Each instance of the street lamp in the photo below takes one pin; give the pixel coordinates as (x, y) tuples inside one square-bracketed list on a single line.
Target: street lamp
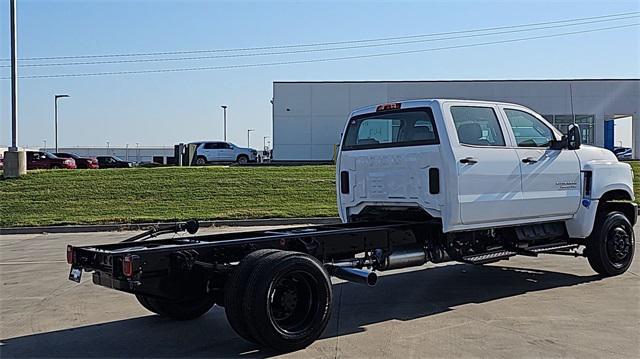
[(224, 110), (56, 97), (248, 136)]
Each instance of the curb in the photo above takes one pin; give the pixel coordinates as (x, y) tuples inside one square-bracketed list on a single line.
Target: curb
[(145, 226)]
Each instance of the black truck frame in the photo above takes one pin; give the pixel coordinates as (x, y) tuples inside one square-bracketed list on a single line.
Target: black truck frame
[(275, 285)]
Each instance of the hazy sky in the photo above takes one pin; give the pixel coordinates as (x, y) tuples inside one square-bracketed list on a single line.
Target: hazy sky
[(166, 108)]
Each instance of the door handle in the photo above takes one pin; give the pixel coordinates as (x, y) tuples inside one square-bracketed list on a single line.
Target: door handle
[(469, 160), (529, 160)]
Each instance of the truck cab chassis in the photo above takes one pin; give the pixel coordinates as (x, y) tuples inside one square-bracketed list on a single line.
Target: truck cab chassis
[(417, 182)]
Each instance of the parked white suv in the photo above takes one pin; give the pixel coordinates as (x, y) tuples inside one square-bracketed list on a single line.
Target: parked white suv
[(487, 175), (216, 151)]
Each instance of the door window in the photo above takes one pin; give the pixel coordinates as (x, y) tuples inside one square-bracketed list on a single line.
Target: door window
[(528, 130), (477, 126), (211, 146)]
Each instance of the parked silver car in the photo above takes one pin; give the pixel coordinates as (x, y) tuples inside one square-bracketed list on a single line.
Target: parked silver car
[(217, 151)]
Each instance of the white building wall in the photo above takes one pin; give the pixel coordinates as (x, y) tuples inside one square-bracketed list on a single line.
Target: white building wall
[(308, 117)]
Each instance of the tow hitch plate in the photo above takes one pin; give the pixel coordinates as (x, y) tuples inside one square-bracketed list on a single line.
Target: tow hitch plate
[(75, 274)]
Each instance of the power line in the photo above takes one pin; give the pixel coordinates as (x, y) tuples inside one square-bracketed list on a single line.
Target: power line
[(112, 73), (318, 50), (323, 43)]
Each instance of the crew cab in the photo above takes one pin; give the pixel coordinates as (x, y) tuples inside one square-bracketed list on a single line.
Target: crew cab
[(417, 181), (216, 151)]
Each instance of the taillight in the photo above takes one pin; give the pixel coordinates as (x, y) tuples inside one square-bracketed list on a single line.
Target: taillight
[(70, 254), (129, 265)]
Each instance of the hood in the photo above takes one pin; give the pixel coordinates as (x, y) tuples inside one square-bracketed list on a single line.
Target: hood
[(588, 153)]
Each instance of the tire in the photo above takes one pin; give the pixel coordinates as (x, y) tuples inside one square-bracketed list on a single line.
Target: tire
[(242, 159), (178, 310), (234, 290), (287, 303), (610, 248), (201, 161)]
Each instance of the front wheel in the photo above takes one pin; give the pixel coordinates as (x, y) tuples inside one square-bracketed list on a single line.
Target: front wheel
[(242, 159), (611, 246)]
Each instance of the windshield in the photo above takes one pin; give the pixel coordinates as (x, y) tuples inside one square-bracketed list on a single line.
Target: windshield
[(117, 158), (67, 155), (391, 129)]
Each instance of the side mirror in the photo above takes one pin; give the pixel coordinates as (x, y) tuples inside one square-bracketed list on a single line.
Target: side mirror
[(574, 139)]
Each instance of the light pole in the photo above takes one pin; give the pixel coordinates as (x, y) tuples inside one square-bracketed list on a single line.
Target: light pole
[(126, 152), (137, 152), (107, 148), (55, 110), (248, 136), (44, 143), (224, 111)]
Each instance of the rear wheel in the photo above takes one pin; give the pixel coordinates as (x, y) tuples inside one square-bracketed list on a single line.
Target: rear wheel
[(235, 288), (243, 159), (176, 309), (287, 303), (201, 161), (610, 248)]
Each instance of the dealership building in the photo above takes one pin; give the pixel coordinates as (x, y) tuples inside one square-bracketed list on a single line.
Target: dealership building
[(308, 117)]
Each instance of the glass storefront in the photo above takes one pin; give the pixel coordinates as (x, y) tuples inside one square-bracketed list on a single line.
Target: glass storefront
[(586, 123)]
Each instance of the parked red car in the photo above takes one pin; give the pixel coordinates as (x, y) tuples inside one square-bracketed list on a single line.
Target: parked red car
[(45, 160), (81, 162)]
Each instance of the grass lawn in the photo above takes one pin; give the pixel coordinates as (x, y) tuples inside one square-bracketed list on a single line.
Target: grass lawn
[(165, 194)]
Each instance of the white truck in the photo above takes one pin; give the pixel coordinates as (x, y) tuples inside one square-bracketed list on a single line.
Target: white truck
[(417, 181)]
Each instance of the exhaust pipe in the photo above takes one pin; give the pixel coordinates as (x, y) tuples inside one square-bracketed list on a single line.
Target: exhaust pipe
[(354, 275)]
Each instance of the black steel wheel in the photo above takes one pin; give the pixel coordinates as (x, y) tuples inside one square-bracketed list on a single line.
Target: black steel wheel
[(235, 288), (610, 248), (177, 309), (288, 301)]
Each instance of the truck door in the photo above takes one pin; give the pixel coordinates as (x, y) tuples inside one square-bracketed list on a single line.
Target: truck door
[(550, 178), (489, 182)]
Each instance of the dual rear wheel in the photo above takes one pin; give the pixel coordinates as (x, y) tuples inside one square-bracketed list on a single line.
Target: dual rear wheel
[(279, 299)]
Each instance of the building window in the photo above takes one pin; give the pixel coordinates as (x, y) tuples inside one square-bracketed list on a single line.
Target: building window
[(586, 123)]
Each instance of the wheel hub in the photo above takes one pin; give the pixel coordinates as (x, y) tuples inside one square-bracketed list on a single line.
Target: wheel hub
[(619, 245)]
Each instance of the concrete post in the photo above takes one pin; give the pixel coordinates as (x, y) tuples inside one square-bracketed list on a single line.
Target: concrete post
[(15, 164)]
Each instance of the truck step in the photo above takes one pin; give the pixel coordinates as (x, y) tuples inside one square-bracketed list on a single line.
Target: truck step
[(553, 247), (488, 257)]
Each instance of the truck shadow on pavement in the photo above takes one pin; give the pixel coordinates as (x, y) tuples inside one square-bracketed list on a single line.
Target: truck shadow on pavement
[(398, 296)]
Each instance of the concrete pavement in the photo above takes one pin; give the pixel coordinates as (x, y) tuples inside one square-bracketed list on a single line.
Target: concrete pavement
[(549, 306)]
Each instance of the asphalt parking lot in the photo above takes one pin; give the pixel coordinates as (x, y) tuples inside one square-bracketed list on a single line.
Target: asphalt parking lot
[(526, 307)]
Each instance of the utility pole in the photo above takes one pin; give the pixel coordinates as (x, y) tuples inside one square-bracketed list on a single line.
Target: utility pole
[(224, 111), (15, 161), (249, 136), (55, 110)]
